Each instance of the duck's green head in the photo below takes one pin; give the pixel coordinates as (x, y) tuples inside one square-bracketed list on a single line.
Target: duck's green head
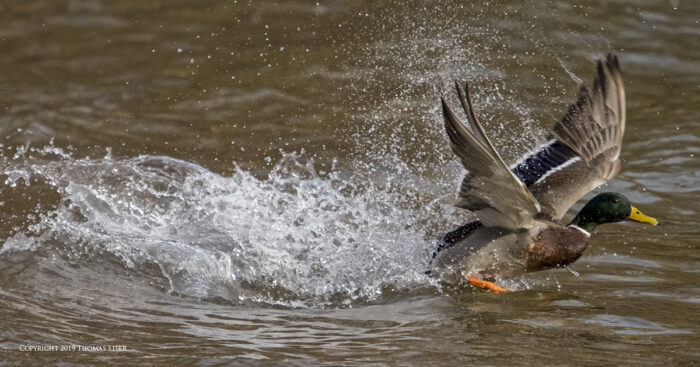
[(609, 207)]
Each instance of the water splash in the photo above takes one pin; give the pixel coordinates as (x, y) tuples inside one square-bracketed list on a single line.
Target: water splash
[(293, 238)]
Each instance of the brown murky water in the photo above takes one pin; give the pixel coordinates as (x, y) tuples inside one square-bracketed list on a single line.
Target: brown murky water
[(261, 183)]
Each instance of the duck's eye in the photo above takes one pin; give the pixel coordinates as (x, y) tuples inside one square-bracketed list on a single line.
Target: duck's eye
[(615, 201)]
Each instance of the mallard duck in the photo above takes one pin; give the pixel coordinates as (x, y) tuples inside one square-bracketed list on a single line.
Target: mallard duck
[(520, 207)]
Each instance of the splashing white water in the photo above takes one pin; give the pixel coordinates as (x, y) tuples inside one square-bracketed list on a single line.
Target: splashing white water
[(294, 238)]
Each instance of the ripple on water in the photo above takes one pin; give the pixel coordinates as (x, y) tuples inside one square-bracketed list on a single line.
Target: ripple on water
[(628, 325)]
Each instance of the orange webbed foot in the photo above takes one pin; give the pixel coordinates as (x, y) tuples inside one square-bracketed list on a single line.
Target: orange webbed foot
[(484, 284)]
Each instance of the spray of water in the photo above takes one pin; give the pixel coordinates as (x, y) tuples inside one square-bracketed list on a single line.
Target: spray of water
[(293, 239)]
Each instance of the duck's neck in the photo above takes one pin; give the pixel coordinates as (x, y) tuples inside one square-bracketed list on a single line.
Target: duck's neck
[(584, 222)]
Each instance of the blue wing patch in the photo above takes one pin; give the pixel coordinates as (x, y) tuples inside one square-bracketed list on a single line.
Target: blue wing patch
[(537, 164)]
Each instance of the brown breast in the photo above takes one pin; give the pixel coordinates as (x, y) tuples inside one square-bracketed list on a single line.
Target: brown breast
[(556, 246)]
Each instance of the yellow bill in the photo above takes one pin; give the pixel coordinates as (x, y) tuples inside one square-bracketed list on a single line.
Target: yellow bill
[(638, 216)]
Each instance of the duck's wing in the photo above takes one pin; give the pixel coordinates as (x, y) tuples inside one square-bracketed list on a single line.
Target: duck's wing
[(583, 148), (489, 188)]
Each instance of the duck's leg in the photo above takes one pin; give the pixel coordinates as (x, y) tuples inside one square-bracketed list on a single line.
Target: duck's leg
[(477, 282)]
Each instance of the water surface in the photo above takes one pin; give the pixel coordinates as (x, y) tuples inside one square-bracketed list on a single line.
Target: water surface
[(261, 183)]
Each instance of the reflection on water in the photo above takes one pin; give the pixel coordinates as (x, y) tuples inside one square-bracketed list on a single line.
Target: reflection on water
[(262, 183)]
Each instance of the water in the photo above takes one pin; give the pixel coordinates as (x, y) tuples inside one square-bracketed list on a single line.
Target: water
[(254, 183)]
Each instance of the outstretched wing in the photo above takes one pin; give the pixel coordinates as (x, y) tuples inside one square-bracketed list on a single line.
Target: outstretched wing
[(583, 148), (489, 188)]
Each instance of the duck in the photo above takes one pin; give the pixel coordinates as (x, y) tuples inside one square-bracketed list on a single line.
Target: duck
[(520, 207)]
